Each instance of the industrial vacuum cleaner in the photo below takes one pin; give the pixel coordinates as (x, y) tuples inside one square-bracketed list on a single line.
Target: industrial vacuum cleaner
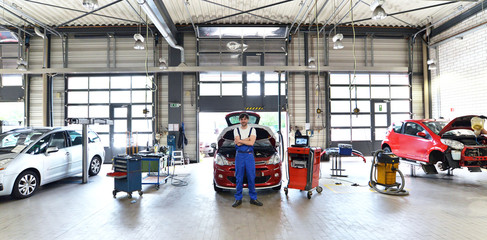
[(383, 172)]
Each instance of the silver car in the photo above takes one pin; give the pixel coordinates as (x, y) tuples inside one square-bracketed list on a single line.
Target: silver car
[(32, 157)]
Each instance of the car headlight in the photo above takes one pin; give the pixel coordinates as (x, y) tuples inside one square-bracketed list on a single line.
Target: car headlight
[(4, 163), (453, 144), (274, 159), (222, 161)]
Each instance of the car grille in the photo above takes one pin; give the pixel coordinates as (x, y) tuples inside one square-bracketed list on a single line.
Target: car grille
[(475, 152), (258, 180)]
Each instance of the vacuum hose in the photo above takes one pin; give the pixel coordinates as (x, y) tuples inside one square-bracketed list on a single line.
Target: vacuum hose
[(397, 190)]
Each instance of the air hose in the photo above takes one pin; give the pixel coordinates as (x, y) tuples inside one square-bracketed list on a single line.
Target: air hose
[(396, 189)]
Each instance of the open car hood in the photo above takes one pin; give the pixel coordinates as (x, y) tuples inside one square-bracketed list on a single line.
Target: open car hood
[(462, 122), (263, 133), (232, 118)]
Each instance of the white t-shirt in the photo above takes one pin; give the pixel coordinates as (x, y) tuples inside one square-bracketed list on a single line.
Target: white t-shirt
[(244, 133)]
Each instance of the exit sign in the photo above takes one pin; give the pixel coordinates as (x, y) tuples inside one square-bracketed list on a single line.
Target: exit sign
[(174, 105)]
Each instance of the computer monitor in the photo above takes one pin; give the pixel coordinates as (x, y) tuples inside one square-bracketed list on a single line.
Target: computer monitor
[(301, 141)]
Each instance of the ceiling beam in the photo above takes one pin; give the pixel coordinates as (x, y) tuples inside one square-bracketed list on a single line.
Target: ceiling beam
[(88, 13), (243, 12), (197, 69), (460, 18), (255, 15)]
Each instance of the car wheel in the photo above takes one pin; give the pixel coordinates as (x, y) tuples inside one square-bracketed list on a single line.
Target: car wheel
[(25, 185), (95, 166), (217, 189), (387, 149), (277, 188)]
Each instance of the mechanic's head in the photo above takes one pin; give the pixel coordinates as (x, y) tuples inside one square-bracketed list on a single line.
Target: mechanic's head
[(244, 119)]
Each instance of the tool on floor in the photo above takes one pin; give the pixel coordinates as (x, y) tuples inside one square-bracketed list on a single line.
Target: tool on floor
[(383, 172)]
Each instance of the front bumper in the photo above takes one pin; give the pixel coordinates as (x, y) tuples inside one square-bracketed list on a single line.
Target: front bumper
[(474, 157), (266, 176)]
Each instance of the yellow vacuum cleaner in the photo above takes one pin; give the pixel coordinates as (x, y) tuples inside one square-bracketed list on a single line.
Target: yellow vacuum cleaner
[(383, 172)]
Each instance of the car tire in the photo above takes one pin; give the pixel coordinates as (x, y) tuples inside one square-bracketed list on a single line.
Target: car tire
[(387, 149), (95, 166), (217, 189), (277, 188), (25, 185)]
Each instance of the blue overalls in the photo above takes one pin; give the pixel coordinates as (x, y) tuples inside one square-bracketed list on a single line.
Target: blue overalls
[(245, 163)]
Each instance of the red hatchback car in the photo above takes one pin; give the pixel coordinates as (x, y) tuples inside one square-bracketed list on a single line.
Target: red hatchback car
[(267, 160), (449, 145)]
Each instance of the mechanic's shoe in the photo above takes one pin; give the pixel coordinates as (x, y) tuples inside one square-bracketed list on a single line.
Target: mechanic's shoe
[(237, 203), (256, 202)]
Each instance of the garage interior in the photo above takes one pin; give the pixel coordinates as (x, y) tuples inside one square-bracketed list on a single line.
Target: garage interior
[(338, 71)]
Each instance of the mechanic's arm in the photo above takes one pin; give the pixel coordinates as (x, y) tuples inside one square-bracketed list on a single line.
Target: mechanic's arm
[(248, 141), (237, 141)]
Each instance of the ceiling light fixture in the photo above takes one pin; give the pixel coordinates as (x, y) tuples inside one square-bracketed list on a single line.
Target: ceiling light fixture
[(311, 63), (90, 4), (378, 13), (237, 47), (21, 64), (431, 64), (337, 41), (139, 41), (162, 64)]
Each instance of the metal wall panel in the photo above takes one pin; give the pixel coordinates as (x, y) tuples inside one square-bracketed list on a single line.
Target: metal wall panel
[(36, 88), (189, 99)]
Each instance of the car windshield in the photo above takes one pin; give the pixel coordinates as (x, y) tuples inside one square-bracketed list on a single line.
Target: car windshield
[(435, 126), (15, 141), (236, 120)]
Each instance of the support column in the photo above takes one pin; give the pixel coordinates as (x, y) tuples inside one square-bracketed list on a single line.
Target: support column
[(175, 85)]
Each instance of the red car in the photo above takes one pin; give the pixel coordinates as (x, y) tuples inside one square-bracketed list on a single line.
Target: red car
[(267, 160), (449, 145)]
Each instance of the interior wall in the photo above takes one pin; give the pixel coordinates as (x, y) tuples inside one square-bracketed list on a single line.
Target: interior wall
[(382, 52), (458, 84)]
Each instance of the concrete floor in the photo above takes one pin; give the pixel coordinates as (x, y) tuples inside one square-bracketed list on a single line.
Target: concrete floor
[(438, 207)]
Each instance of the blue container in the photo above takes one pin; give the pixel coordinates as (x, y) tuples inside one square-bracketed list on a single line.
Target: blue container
[(345, 149)]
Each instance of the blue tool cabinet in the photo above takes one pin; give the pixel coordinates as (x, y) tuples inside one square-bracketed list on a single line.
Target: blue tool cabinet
[(132, 181)]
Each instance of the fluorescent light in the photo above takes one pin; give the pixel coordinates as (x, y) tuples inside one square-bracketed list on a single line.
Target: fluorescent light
[(90, 4)]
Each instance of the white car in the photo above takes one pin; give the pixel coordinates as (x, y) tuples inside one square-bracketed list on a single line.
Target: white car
[(32, 157)]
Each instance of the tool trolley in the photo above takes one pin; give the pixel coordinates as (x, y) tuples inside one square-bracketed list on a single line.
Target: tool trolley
[(127, 175), (304, 169)]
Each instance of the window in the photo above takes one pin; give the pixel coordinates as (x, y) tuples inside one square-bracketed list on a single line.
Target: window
[(58, 140), (75, 137), (40, 146), (396, 127), (11, 80), (412, 129)]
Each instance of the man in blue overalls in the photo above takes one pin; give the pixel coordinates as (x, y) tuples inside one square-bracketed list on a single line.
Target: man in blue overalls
[(244, 160)]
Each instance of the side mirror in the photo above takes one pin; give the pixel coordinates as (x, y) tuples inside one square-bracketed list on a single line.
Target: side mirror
[(51, 150), (421, 134), (213, 145)]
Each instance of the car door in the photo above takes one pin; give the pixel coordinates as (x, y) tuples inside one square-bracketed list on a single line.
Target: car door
[(75, 151), (414, 146), (57, 162)]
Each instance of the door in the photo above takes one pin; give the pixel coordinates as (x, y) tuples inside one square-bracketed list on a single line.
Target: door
[(413, 146), (57, 163), (380, 120), (75, 151), (121, 128)]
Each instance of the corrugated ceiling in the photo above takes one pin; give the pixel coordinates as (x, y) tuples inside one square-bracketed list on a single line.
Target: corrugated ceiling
[(124, 12)]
